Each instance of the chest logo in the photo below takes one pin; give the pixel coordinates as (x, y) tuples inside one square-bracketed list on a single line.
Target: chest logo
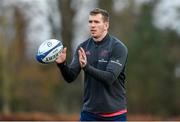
[(88, 53), (104, 53), (102, 60)]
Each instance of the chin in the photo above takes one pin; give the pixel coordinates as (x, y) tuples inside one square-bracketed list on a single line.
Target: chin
[(94, 36)]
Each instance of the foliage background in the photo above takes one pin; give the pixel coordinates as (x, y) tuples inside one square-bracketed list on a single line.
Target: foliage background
[(151, 83)]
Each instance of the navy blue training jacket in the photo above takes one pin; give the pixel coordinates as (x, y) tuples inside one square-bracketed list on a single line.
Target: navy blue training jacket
[(104, 74)]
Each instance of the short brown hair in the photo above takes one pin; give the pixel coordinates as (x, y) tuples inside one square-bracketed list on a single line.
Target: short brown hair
[(104, 13)]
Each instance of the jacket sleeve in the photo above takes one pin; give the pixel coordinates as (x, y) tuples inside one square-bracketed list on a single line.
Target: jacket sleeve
[(114, 67), (70, 72)]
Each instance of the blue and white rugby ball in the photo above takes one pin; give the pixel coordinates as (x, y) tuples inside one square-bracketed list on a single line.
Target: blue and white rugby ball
[(49, 50)]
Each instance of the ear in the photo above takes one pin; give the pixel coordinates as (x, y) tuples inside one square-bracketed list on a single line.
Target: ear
[(106, 25)]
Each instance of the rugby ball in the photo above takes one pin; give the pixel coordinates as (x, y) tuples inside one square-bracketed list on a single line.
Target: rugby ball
[(49, 50)]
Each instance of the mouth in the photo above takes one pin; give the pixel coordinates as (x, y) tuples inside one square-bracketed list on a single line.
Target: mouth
[(93, 31)]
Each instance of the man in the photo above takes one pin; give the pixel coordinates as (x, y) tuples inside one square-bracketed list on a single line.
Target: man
[(103, 58)]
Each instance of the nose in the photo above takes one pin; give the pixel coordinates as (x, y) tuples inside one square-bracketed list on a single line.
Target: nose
[(92, 25)]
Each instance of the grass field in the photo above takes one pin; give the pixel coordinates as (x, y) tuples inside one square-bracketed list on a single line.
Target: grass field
[(36, 116)]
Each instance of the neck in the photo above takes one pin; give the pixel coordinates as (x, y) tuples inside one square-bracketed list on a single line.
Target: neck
[(101, 37)]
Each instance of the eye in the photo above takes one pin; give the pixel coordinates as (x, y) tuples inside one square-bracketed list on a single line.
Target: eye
[(90, 21)]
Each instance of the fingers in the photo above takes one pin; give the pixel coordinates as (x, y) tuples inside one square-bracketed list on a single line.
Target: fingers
[(64, 50), (82, 57), (82, 50), (80, 54), (83, 53), (62, 57)]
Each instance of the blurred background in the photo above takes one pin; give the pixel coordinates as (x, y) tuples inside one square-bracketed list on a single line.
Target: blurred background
[(33, 91)]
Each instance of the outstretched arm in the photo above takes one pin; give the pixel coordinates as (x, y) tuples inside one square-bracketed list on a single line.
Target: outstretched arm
[(69, 72)]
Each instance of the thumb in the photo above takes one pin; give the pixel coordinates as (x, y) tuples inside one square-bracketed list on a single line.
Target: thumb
[(64, 50)]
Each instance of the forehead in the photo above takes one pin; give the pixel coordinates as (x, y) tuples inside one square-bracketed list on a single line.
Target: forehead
[(95, 17)]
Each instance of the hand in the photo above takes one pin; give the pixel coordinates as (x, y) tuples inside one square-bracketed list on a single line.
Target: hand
[(62, 56), (82, 57)]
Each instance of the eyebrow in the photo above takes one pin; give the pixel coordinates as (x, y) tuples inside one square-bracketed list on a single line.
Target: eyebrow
[(96, 21)]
